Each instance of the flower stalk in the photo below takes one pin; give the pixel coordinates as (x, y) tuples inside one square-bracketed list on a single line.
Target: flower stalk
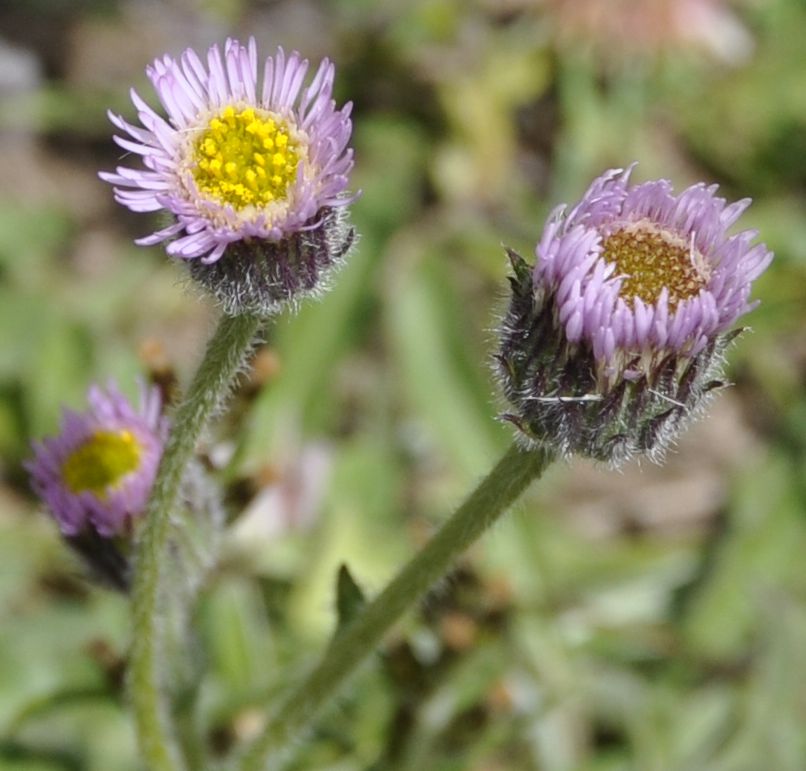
[(350, 648), (223, 359)]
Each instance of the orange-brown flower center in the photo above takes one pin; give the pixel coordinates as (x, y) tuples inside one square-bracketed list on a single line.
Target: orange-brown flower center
[(650, 259)]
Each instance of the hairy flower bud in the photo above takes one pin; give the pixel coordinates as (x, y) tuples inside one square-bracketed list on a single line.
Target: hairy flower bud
[(252, 166), (614, 339)]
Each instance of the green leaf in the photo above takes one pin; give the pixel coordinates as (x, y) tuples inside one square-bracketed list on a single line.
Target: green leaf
[(349, 597)]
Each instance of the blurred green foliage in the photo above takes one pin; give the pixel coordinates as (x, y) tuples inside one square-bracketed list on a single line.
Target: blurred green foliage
[(602, 626)]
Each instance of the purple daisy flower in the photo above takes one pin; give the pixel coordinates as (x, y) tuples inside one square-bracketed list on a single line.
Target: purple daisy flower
[(96, 475), (614, 337), (253, 166)]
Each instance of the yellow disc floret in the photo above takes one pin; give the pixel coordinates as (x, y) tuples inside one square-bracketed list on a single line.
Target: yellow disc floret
[(245, 158), (651, 259), (101, 462)]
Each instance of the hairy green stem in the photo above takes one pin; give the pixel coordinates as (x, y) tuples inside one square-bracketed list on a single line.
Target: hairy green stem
[(224, 356), (504, 484)]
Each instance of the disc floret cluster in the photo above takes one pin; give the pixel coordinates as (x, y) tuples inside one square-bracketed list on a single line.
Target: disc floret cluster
[(246, 158)]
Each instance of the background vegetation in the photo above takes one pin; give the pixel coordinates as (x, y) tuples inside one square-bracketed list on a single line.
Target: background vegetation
[(648, 620)]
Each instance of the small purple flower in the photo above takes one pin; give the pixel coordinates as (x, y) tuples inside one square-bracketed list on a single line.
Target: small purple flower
[(96, 475), (253, 166), (614, 337)]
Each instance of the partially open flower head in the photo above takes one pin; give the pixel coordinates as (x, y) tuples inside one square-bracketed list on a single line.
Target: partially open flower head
[(96, 474), (251, 164), (614, 338)]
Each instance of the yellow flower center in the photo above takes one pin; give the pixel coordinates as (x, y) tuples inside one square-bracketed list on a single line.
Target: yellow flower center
[(651, 259), (245, 158), (101, 462)]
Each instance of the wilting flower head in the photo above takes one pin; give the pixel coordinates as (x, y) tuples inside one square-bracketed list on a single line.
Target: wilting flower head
[(96, 475), (615, 336), (253, 167)]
